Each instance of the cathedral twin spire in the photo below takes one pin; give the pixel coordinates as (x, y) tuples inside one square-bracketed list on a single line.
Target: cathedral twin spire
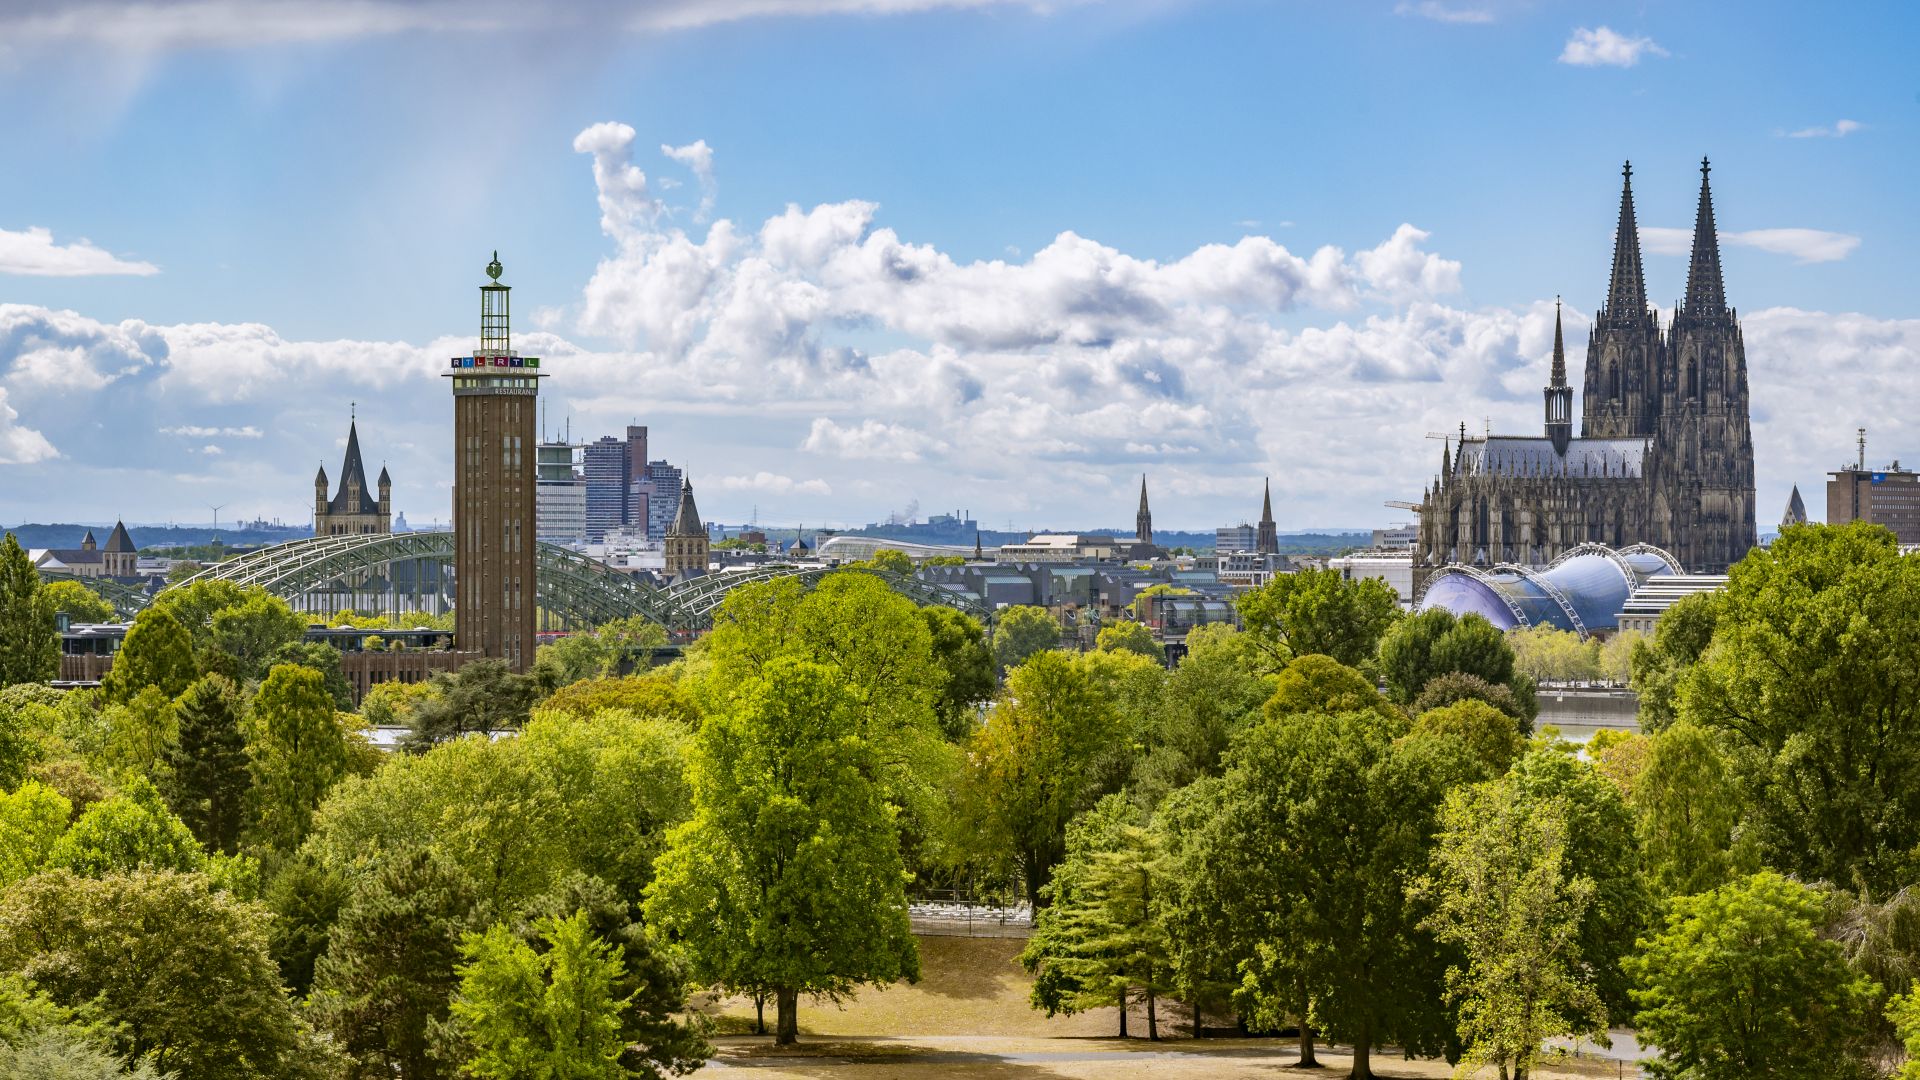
[(1706, 293)]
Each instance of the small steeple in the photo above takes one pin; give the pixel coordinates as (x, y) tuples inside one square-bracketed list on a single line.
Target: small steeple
[(977, 551), (1559, 376), (1706, 294), (320, 478), (1559, 394), (1268, 540), (1627, 291), (686, 521)]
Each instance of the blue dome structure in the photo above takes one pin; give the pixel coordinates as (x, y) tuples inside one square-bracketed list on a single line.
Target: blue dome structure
[(1583, 590)]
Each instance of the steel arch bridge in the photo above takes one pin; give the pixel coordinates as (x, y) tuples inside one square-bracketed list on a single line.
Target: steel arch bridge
[(573, 590)]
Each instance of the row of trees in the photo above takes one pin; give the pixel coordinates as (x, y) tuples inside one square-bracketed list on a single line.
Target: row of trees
[(1337, 820)]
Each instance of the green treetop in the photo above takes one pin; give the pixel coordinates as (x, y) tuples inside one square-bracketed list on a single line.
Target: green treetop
[(788, 878), (29, 642)]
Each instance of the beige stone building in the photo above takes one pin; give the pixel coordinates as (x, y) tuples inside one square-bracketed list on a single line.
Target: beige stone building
[(354, 510), (686, 546)]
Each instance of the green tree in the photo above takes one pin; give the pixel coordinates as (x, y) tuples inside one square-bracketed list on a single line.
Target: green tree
[(1600, 847), (1458, 686), (387, 975), (1688, 810), (1502, 892), (1812, 688), (1658, 664), (1321, 612), (891, 560), (297, 752), (77, 602), (553, 1014), (245, 640), (1100, 941), (391, 703), (207, 778), (32, 820), (179, 969), (1486, 732), (960, 649), (1435, 642), (306, 899), (131, 831), (140, 733), (572, 658), (1126, 636), (1616, 655), (157, 652), (1325, 931), (653, 695), (323, 658), (1032, 762), (1204, 943), (661, 1038), (29, 642), (1209, 697), (1903, 1011), (484, 696), (788, 878), (1323, 685), (1547, 654), (1739, 985), (596, 795), (1022, 631)]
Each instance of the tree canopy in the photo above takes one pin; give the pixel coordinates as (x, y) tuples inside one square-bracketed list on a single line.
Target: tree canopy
[(1318, 611)]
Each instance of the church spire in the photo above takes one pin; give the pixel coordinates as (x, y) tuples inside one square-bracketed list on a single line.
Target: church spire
[(1559, 377), (1268, 540), (1706, 294), (1627, 292), (1143, 519)]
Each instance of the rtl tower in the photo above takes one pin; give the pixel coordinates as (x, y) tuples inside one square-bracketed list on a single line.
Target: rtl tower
[(494, 483)]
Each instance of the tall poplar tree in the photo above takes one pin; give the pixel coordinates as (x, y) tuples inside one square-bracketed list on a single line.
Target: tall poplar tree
[(29, 642), (298, 751), (208, 779)]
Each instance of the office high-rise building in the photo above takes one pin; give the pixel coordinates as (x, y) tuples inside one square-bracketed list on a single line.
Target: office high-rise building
[(663, 504), (494, 484), (561, 500), (605, 461)]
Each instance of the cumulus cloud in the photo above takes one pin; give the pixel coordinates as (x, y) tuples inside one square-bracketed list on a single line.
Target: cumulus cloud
[(1840, 129), (774, 484), (32, 252), (1804, 245), (697, 156), (20, 445), (874, 439), (1602, 47), (1446, 13), (818, 362)]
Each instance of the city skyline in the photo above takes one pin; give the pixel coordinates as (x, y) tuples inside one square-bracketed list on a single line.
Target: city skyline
[(825, 331)]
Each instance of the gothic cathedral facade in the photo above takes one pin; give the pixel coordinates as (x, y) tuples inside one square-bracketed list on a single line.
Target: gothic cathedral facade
[(1665, 454)]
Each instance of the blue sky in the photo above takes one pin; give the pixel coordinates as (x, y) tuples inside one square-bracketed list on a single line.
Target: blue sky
[(285, 208)]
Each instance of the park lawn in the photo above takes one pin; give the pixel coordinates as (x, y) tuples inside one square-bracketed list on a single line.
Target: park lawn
[(968, 1019)]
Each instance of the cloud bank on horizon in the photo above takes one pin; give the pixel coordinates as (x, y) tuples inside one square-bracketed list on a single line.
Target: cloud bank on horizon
[(870, 367)]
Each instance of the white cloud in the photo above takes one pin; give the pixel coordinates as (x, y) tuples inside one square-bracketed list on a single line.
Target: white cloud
[(1602, 47), (211, 449), (1839, 130), (34, 253), (1805, 245), (697, 156), (20, 445), (197, 432), (871, 439), (142, 26), (1446, 13), (774, 484), (819, 361)]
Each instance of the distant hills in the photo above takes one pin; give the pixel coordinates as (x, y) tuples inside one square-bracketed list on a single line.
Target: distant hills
[(155, 536)]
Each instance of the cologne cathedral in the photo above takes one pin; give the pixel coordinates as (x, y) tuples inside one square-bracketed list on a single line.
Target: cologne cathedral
[(1664, 456)]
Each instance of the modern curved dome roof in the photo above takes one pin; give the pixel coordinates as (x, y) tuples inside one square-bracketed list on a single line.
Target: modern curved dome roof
[(1583, 590)]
